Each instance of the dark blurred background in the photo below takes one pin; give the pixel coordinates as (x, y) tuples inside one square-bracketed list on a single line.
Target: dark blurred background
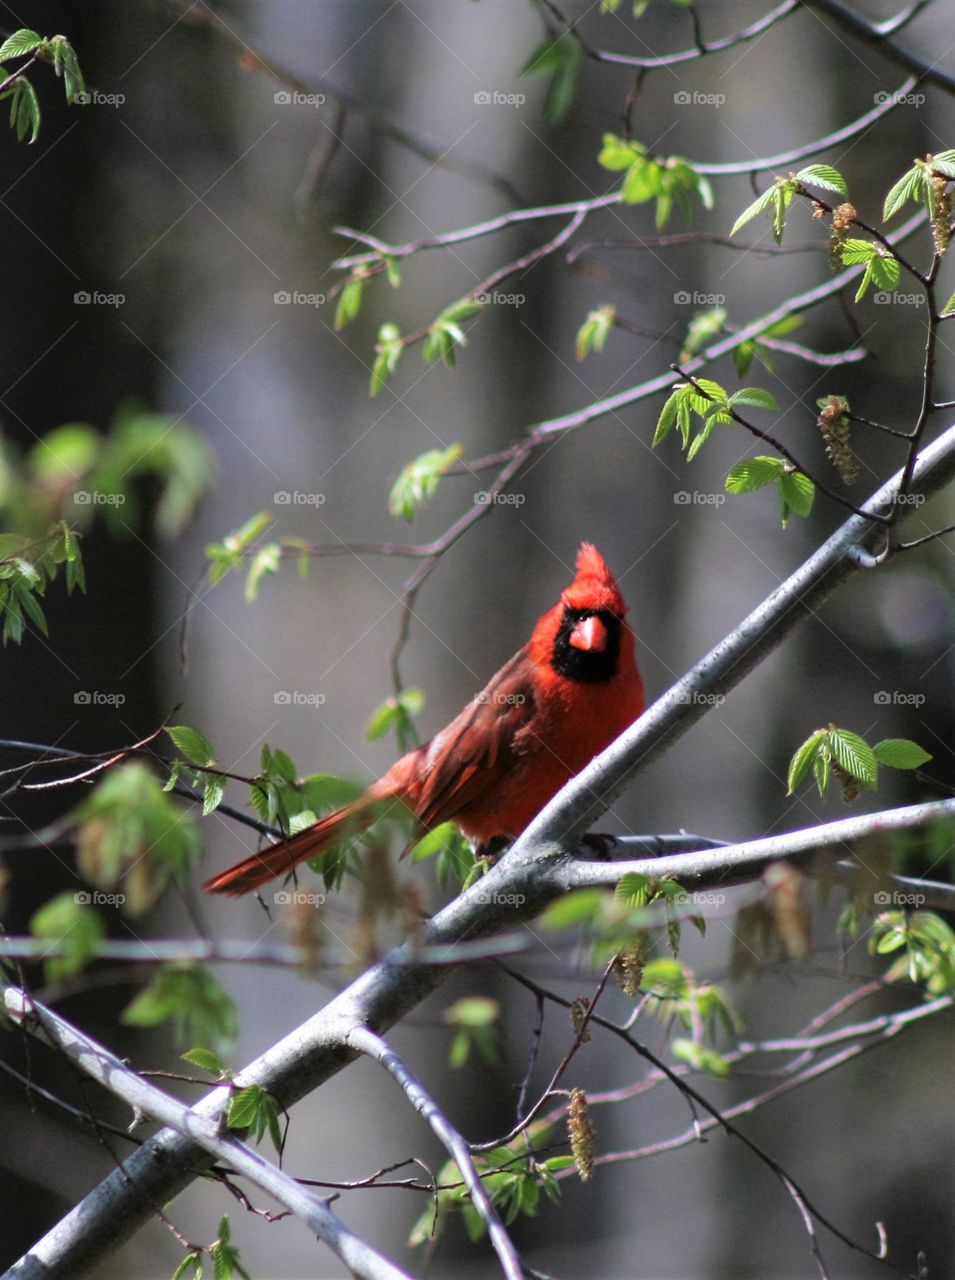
[(198, 197)]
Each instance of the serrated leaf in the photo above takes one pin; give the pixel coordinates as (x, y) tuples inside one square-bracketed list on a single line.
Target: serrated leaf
[(753, 473), (854, 755), (19, 43), (824, 176), (668, 415), (192, 745), (908, 187), (756, 398), (797, 493), (632, 889), (900, 753), (205, 1060), (213, 791), (803, 759), (759, 205)]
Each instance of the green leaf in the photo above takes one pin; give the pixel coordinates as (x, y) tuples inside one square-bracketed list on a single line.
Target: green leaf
[(797, 493), (213, 791), (349, 301), (67, 920), (19, 43), (409, 703), (419, 481), (803, 759), (633, 889), (560, 58), (191, 1262), (578, 907), (704, 326), (266, 561), (759, 205), (24, 110), (205, 1060), (668, 414), (854, 755), (473, 1011), (700, 1058), (618, 154), (756, 398), (592, 334), (388, 348), (824, 176), (753, 473), (192, 745), (191, 998), (911, 186), (900, 753)]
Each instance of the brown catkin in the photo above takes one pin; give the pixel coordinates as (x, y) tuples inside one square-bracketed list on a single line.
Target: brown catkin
[(578, 1014), (581, 1133), (842, 219), (833, 422), (628, 969), (942, 213)]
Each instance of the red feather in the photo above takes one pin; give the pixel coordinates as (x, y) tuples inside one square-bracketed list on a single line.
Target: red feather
[(509, 751)]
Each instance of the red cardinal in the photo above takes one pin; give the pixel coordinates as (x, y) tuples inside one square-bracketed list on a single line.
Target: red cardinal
[(558, 702)]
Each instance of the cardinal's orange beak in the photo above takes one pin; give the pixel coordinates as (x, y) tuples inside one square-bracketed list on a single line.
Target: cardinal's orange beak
[(590, 635)]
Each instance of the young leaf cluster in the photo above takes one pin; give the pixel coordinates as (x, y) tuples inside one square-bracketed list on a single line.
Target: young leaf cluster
[(669, 182), (777, 198), (27, 566), (133, 837), (189, 996), (24, 105), (854, 762), (194, 749)]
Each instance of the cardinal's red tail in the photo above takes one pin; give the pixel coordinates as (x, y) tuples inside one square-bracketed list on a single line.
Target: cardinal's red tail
[(278, 859)]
